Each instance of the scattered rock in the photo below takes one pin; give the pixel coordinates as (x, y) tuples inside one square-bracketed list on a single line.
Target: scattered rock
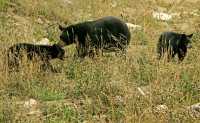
[(161, 109), (30, 108), (30, 103), (194, 110), (195, 13), (67, 1), (114, 4), (39, 21), (133, 27), (162, 16), (119, 100), (43, 41)]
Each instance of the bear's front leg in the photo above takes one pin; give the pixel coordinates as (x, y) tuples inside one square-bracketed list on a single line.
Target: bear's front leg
[(181, 55)]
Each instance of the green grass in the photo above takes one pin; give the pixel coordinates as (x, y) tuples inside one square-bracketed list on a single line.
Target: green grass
[(103, 89), (3, 4)]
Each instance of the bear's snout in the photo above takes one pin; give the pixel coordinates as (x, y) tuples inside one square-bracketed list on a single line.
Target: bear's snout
[(61, 37)]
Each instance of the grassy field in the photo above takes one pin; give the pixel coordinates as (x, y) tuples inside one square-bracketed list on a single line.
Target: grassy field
[(104, 89)]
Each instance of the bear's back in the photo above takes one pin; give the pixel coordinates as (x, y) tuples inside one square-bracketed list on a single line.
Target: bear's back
[(170, 36), (30, 49), (113, 24)]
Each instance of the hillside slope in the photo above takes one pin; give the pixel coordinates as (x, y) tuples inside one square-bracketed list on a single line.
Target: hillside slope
[(108, 88)]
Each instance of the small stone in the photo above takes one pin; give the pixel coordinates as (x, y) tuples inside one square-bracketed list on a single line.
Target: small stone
[(194, 110), (39, 20), (133, 27), (30, 103), (119, 99), (67, 1), (43, 41), (161, 109), (114, 4), (162, 16)]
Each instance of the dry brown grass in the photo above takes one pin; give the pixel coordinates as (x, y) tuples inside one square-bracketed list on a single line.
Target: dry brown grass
[(104, 89)]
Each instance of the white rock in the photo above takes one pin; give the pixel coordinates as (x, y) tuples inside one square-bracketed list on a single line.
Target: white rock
[(39, 20), (194, 110), (114, 4), (133, 27), (43, 41), (67, 1), (161, 111), (30, 103), (195, 13), (119, 99), (162, 16), (161, 108)]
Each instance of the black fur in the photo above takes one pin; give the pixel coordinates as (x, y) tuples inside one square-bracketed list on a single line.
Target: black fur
[(173, 43), (105, 33), (44, 52)]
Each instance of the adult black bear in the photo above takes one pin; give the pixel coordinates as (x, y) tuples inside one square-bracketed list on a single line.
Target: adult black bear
[(108, 33), (44, 52), (173, 43)]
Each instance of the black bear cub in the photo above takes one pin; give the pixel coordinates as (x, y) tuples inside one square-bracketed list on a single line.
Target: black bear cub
[(173, 43), (44, 52), (108, 33)]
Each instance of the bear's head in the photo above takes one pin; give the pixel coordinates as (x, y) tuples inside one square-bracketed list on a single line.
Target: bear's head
[(186, 40), (58, 52), (67, 35)]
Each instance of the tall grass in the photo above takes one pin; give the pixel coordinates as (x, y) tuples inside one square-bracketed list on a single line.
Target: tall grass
[(103, 89)]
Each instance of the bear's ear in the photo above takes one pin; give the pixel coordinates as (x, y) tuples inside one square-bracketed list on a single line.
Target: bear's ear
[(183, 36), (190, 36), (56, 46), (61, 28)]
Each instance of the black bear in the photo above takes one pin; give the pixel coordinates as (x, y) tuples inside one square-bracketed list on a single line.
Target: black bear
[(173, 43), (44, 52), (108, 33)]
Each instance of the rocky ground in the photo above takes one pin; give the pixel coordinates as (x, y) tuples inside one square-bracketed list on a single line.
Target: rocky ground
[(107, 88)]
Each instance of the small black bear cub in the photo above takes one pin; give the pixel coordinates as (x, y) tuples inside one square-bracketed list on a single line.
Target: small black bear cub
[(44, 52), (173, 43), (108, 33)]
